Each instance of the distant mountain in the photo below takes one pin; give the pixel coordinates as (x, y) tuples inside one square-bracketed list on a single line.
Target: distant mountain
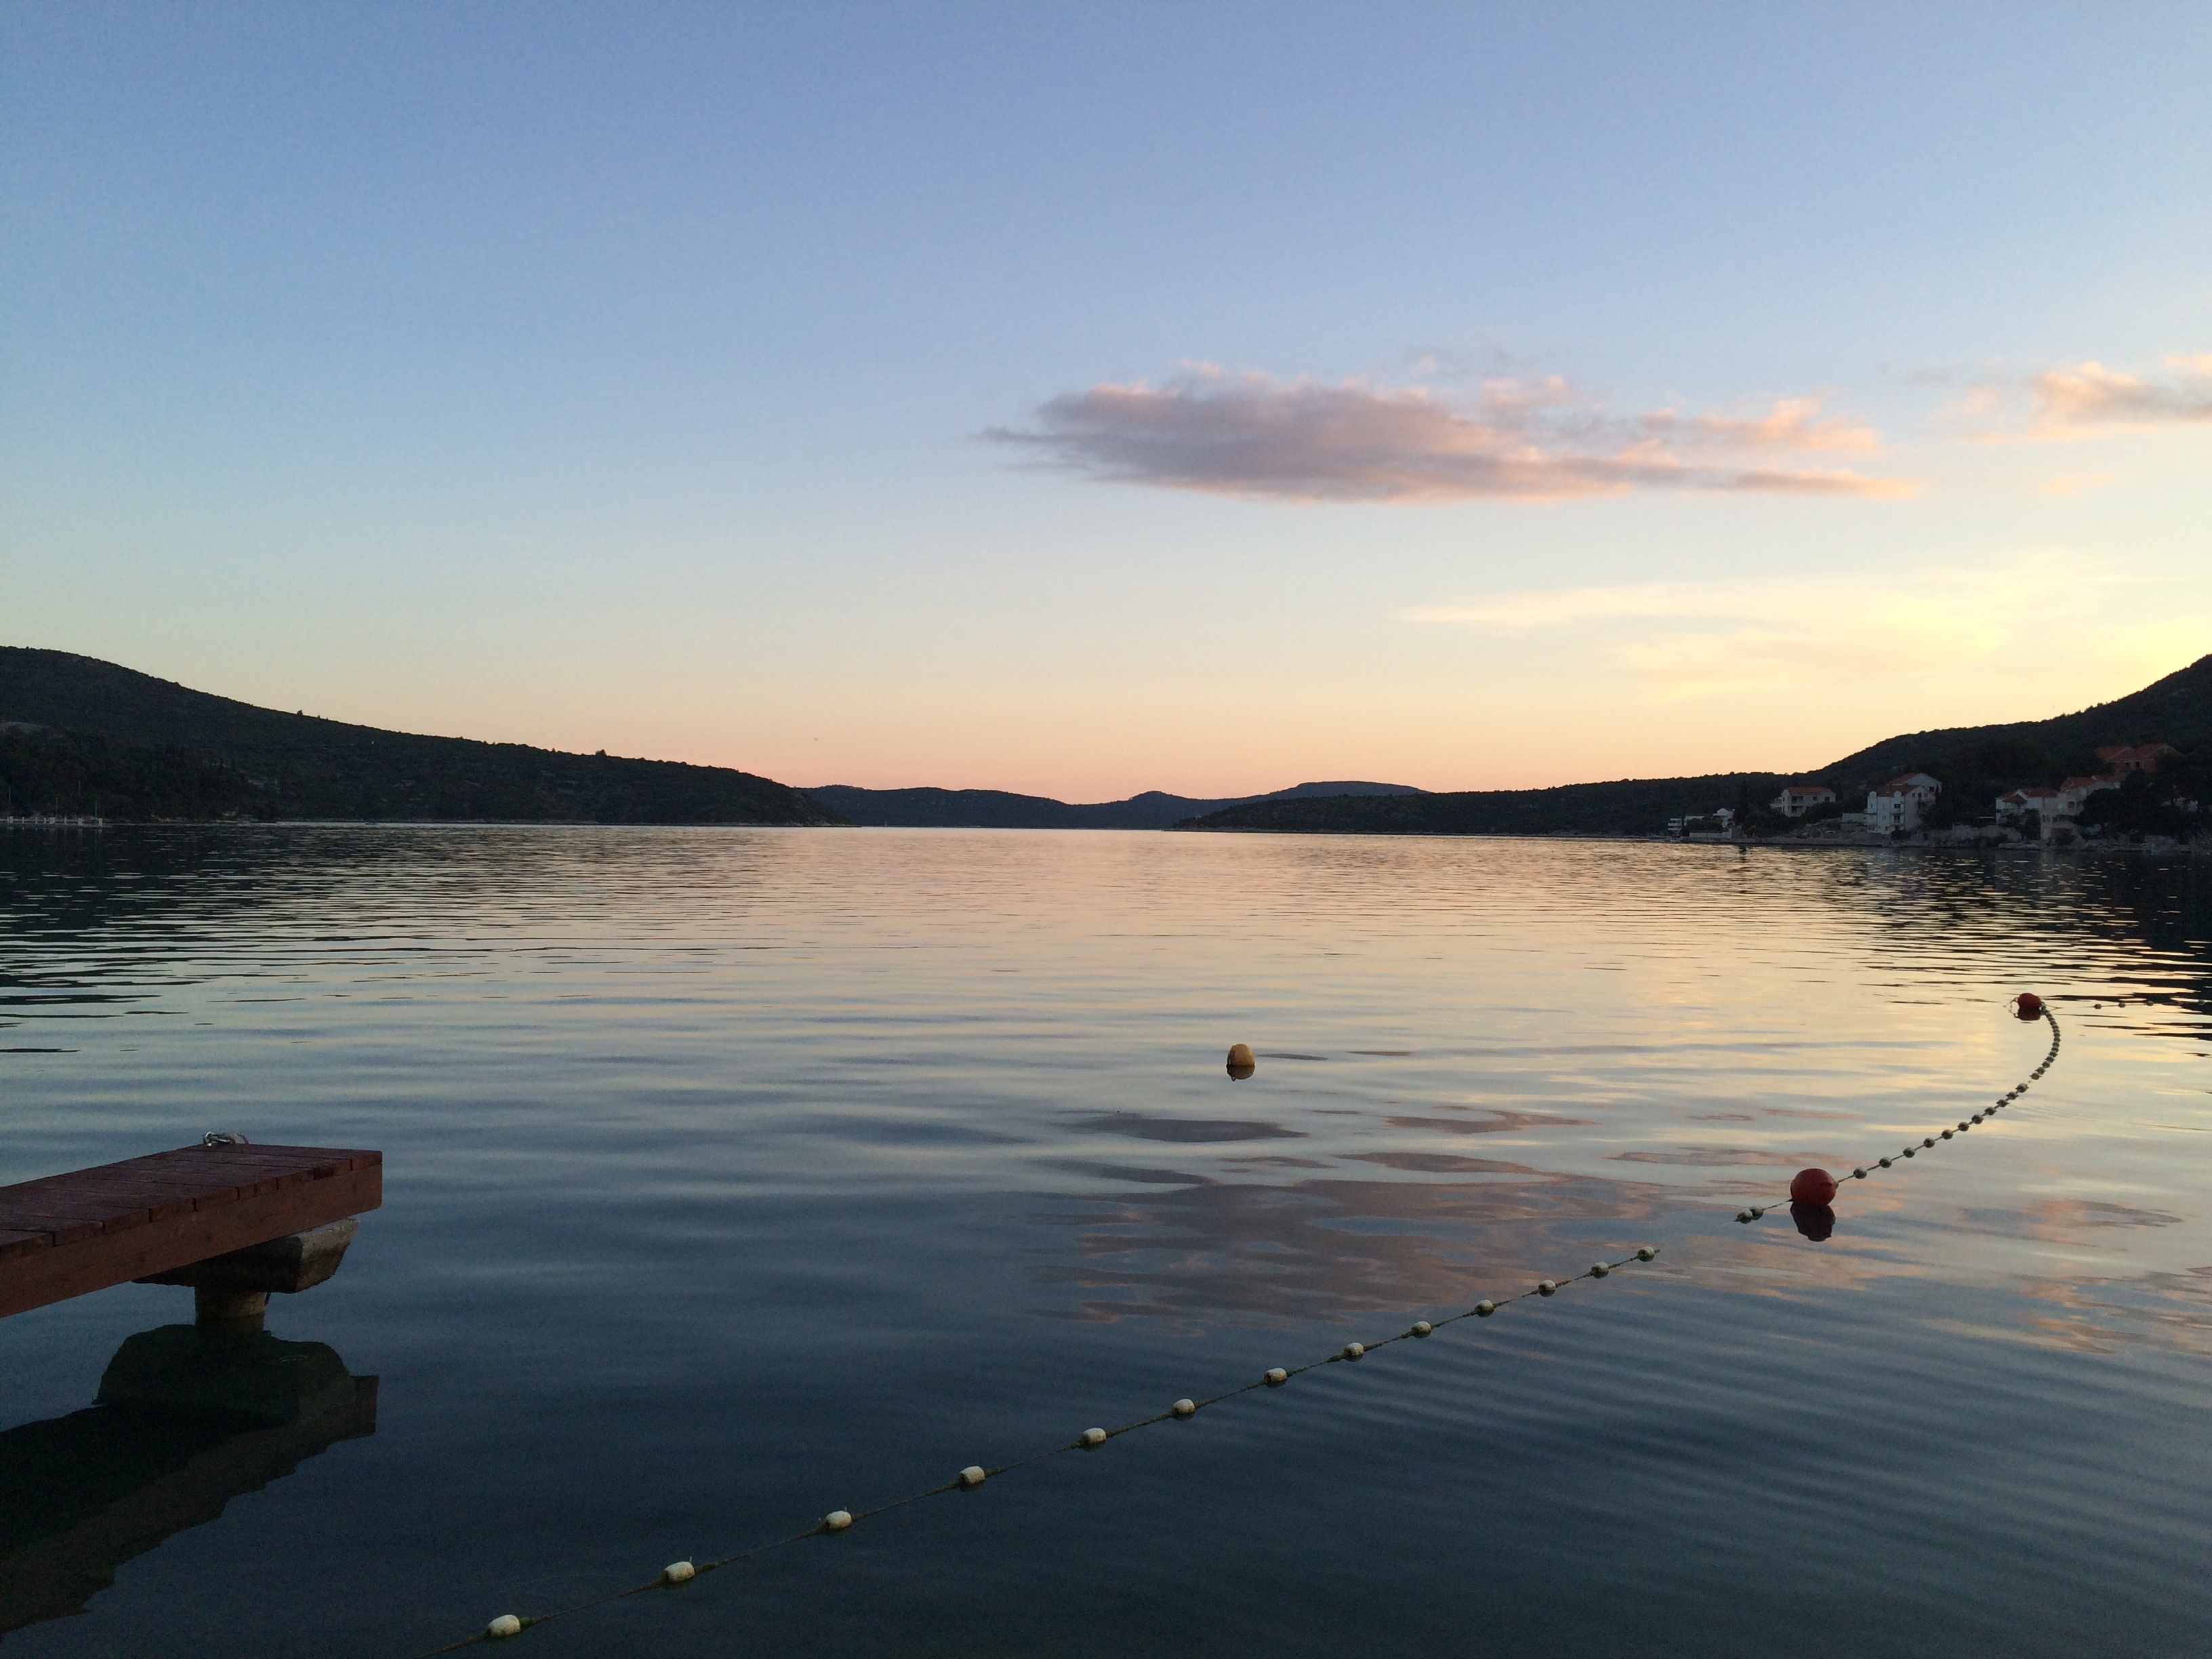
[(1628, 807), (80, 735), (1975, 763), (994, 809)]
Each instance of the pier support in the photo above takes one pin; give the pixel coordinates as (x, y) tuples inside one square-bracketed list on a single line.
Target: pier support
[(240, 1313), (231, 1292)]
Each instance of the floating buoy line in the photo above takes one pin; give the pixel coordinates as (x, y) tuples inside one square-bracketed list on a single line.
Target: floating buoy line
[(1804, 1189), (1814, 1189)]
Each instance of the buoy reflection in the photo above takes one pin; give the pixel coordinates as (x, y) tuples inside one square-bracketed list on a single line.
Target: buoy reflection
[(1815, 1221)]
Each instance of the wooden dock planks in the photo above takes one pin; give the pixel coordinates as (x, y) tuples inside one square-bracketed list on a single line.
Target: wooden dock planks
[(63, 1235)]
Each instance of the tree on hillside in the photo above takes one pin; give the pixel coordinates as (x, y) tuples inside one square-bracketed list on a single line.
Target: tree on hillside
[(1955, 806), (2167, 802)]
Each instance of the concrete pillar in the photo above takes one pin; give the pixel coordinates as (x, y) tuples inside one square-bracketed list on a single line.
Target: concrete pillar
[(232, 1313)]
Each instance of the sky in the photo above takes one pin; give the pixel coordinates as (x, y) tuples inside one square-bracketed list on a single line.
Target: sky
[(1084, 400)]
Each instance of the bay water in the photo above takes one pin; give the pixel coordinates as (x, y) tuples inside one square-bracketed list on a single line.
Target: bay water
[(733, 1176)]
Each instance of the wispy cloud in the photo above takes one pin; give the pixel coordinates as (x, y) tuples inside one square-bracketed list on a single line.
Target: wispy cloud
[(1251, 435), (2089, 394), (1686, 638), (2074, 484), (2088, 400)]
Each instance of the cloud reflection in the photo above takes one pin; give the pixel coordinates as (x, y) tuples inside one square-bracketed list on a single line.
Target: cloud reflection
[(2171, 1312), (1287, 1253), (1189, 1131), (1708, 1157), (1490, 1123)]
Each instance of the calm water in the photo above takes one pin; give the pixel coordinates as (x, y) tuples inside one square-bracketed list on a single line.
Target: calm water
[(731, 1177)]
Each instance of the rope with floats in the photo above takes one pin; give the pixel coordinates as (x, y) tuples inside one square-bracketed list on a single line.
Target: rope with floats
[(1806, 1189), (1815, 1190)]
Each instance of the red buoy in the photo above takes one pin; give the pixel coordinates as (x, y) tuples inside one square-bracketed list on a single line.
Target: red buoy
[(2027, 1006), (1813, 1186)]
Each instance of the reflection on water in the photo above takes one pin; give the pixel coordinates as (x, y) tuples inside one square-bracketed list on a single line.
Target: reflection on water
[(1814, 1221), (185, 1421), (736, 1176)]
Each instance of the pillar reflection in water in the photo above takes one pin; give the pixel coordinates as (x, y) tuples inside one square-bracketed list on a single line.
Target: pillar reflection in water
[(185, 1419)]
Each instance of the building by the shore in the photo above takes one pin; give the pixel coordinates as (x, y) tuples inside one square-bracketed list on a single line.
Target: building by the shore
[(1799, 798), (1897, 806)]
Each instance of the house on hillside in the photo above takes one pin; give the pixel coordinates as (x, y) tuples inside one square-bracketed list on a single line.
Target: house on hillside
[(1898, 803), (1889, 811), (2120, 759), (2050, 806), (1800, 798), (2038, 802), (2078, 790)]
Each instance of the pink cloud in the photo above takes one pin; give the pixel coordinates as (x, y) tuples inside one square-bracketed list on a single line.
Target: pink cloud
[(2090, 394), (1309, 441)]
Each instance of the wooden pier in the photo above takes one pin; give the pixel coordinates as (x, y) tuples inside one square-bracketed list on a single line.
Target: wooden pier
[(144, 1218)]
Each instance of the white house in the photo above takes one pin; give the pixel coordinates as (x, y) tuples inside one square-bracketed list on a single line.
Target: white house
[(1800, 798), (1897, 804), (2077, 791), (1889, 809), (2048, 806)]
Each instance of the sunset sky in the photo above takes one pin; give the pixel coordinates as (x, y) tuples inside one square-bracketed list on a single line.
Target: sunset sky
[(1079, 401)]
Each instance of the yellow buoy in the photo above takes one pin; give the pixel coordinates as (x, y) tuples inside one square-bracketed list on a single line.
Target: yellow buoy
[(1240, 1060)]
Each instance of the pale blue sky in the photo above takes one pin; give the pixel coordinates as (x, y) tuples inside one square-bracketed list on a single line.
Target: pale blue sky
[(625, 377)]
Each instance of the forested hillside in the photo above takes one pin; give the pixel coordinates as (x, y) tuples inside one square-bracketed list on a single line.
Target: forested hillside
[(1975, 763), (82, 736)]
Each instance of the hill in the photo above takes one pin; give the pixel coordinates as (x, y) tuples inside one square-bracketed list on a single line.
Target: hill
[(1976, 763), (994, 809), (80, 735), (1631, 806), (2177, 710)]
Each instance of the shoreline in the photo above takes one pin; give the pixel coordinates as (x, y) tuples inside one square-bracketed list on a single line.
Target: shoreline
[(2093, 849)]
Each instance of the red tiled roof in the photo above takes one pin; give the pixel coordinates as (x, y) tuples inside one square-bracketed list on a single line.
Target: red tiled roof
[(2145, 754)]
